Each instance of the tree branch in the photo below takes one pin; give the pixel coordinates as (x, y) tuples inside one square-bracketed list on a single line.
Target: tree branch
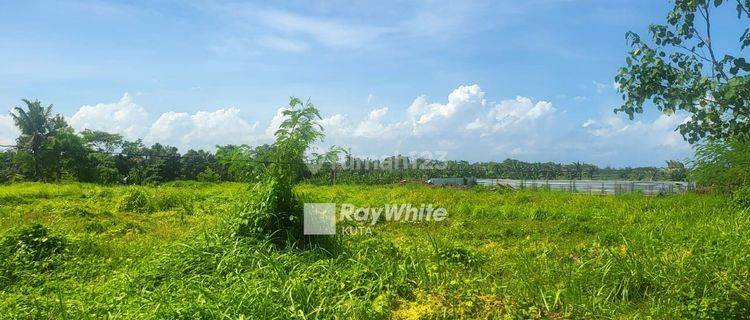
[(717, 66), (742, 8), (693, 53)]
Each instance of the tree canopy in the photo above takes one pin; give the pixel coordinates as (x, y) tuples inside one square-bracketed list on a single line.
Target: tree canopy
[(683, 70)]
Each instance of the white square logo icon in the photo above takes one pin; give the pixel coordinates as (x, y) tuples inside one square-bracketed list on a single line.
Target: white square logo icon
[(320, 219)]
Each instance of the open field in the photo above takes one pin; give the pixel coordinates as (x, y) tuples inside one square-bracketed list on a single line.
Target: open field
[(170, 252)]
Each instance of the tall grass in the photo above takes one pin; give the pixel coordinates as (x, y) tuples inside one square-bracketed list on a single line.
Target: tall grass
[(500, 254)]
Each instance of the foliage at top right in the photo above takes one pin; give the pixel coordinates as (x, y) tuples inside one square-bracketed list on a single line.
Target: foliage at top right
[(683, 70)]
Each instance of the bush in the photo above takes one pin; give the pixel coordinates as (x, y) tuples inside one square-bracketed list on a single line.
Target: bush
[(277, 213), (135, 200), (30, 250), (722, 166), (33, 243), (208, 175)]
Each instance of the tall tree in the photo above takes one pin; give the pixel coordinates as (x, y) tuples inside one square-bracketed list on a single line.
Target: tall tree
[(684, 70), (36, 125), (163, 163), (195, 162), (235, 162), (102, 141)]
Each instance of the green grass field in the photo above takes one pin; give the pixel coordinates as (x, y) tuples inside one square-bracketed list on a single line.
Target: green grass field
[(170, 252)]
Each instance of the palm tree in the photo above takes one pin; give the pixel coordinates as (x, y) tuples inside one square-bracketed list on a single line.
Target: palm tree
[(36, 126)]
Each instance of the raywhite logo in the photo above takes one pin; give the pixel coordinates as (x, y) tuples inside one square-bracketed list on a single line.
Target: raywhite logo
[(321, 218)]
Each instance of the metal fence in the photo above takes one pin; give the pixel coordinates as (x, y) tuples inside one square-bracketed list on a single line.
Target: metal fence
[(595, 186)]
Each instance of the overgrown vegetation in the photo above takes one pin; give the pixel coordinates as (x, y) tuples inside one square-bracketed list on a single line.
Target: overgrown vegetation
[(514, 254), (723, 166), (276, 214)]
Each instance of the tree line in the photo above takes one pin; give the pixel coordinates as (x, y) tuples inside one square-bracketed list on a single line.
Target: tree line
[(401, 168), (49, 149)]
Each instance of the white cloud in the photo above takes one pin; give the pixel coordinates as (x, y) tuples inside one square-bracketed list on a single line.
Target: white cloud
[(510, 114), (466, 108), (374, 127), (667, 125), (8, 130), (202, 129), (465, 125), (123, 117), (430, 117), (327, 32), (296, 31), (340, 128), (660, 133), (276, 121), (477, 124), (468, 126), (336, 126), (601, 87)]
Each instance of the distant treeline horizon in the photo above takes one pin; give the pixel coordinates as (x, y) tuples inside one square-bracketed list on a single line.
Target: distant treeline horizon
[(49, 149), (107, 158)]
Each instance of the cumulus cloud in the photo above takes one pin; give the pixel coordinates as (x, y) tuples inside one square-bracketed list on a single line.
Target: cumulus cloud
[(8, 130), (468, 126), (465, 122), (659, 132), (468, 109), (464, 125), (374, 127), (276, 121), (337, 125), (123, 117), (510, 114), (616, 139), (203, 129), (429, 117)]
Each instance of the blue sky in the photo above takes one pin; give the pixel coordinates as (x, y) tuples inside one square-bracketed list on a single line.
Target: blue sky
[(482, 80)]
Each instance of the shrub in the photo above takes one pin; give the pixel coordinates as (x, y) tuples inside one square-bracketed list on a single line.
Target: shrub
[(276, 214), (30, 250), (166, 200), (33, 243), (208, 175), (135, 200), (722, 165)]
